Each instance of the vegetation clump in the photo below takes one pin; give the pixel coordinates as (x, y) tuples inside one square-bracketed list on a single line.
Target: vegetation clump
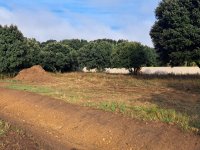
[(176, 32)]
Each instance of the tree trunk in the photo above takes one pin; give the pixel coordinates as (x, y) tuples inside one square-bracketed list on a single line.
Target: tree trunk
[(137, 70)]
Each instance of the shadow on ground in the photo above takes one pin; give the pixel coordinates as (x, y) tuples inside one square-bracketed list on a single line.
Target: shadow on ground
[(183, 97)]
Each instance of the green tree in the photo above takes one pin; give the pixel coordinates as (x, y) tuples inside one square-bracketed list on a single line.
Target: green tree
[(95, 55), (43, 44), (106, 40), (13, 50), (33, 52), (56, 57), (74, 64), (176, 33), (133, 56), (76, 44)]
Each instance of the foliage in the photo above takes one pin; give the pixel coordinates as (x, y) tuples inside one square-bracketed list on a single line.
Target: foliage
[(43, 44), (33, 52), (74, 64), (196, 56), (133, 55), (18, 52), (56, 57), (106, 40), (95, 55), (76, 44), (13, 50), (176, 33)]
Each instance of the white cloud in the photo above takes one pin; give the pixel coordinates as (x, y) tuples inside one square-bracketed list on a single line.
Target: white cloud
[(139, 32), (5, 15), (44, 25)]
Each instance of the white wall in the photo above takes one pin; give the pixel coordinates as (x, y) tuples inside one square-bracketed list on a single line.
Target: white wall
[(170, 70), (155, 70)]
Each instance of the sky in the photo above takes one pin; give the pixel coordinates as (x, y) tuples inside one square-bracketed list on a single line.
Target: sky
[(82, 19)]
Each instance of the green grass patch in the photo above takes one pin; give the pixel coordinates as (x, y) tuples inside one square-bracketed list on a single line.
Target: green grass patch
[(150, 113), (159, 114), (107, 106), (30, 88)]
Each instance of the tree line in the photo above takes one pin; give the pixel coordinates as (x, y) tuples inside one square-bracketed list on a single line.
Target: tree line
[(18, 52), (175, 34)]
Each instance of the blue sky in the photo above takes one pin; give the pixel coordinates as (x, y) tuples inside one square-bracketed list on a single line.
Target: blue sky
[(87, 19)]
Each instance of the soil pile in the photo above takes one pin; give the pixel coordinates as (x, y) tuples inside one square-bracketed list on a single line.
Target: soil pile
[(34, 74)]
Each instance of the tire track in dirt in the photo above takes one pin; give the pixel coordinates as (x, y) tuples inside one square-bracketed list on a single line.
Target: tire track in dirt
[(66, 126)]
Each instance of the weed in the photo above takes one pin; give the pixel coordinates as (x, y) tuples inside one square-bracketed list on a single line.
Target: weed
[(108, 106)]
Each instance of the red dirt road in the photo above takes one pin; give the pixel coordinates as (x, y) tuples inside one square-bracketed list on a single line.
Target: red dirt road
[(65, 126)]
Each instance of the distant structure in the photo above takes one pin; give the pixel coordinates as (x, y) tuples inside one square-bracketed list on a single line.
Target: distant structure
[(154, 70)]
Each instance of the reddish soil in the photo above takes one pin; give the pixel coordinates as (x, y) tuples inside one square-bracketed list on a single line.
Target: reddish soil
[(34, 74), (18, 141), (65, 126)]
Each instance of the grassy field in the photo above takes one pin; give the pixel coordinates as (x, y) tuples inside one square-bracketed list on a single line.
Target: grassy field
[(170, 99)]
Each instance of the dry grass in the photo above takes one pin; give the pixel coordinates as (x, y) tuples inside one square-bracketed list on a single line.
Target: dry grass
[(4, 128), (179, 95)]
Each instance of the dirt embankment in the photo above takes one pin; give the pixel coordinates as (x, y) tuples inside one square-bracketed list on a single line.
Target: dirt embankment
[(66, 126)]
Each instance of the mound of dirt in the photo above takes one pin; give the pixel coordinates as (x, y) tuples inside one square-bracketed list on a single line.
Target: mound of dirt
[(34, 74)]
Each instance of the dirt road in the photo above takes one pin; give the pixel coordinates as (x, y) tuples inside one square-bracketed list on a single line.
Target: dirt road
[(65, 126)]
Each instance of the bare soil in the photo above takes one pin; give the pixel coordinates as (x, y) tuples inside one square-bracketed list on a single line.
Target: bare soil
[(13, 140), (35, 74), (65, 126)]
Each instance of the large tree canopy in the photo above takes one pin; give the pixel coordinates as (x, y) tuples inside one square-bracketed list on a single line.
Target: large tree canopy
[(13, 50), (76, 44), (95, 55), (56, 57), (133, 55), (176, 33)]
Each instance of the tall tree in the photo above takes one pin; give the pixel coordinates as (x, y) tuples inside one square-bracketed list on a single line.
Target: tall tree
[(176, 33), (13, 50)]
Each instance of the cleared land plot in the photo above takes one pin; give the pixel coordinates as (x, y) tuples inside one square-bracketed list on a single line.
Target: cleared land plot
[(61, 125), (170, 99)]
